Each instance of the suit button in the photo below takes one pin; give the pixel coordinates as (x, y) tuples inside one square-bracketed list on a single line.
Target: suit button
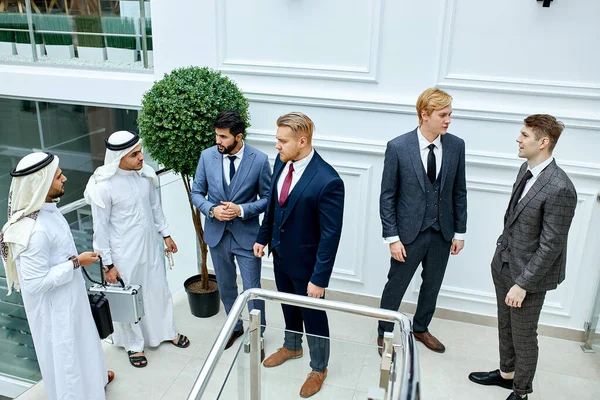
[(282, 230), (509, 250)]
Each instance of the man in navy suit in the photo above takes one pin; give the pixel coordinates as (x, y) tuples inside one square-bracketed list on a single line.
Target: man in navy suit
[(423, 209), (302, 226), (236, 179)]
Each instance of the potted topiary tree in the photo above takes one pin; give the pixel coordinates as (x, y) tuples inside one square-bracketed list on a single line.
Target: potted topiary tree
[(175, 125)]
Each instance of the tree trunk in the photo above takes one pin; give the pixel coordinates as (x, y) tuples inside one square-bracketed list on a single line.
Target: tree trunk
[(196, 218)]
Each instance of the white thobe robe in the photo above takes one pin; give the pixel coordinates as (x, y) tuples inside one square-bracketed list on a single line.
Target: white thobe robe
[(126, 233), (66, 340)]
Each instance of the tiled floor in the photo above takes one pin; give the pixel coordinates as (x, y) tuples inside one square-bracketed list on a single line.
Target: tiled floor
[(564, 371)]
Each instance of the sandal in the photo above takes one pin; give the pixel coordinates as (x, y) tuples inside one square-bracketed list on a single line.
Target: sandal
[(182, 341), (137, 361), (111, 376)]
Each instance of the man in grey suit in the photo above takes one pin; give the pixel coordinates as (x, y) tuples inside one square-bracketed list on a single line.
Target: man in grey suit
[(236, 179), (423, 209), (530, 255)]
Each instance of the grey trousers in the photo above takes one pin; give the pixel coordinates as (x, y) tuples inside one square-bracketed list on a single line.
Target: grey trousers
[(432, 250), (517, 331)]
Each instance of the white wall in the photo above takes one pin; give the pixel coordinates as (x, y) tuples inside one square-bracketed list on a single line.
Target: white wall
[(356, 68)]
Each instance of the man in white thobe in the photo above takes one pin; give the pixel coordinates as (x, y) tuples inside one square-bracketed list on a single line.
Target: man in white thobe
[(127, 222), (41, 261)]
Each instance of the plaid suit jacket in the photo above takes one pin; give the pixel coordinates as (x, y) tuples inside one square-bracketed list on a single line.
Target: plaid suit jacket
[(534, 239)]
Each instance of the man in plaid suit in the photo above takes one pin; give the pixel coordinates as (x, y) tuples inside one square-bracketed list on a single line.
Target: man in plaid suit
[(530, 256)]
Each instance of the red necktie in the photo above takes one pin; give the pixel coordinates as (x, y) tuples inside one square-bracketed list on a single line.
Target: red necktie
[(285, 189)]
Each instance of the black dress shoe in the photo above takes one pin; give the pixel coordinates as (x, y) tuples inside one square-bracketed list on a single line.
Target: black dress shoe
[(514, 396), (491, 378), (234, 336), (262, 355)]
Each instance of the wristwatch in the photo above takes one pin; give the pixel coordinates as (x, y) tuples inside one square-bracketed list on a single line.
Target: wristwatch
[(107, 268), (211, 214)]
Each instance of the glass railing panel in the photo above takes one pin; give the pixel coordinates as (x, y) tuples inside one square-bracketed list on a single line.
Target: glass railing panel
[(94, 34)]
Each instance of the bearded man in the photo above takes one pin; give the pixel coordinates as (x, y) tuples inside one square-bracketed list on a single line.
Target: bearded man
[(41, 261)]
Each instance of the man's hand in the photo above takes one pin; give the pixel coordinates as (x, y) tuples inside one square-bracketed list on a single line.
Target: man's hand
[(111, 275), (315, 291), (224, 214), (398, 251), (88, 258), (232, 206), (457, 246), (515, 296), (171, 246), (259, 250)]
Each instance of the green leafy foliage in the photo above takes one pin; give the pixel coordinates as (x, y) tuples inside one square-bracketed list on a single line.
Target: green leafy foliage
[(149, 34), (178, 112), (19, 21), (56, 23), (6, 23), (123, 26), (89, 24)]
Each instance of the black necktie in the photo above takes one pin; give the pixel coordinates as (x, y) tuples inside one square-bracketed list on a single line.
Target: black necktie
[(431, 164), (514, 200), (231, 167)]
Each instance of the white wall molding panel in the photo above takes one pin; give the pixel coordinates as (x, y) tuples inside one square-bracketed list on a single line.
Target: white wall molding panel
[(301, 39)]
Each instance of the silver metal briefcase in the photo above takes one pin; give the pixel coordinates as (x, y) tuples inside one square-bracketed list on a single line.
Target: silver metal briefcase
[(126, 303)]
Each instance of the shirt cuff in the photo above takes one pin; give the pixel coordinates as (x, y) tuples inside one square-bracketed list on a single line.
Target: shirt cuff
[(459, 236), (165, 233), (241, 212), (391, 239)]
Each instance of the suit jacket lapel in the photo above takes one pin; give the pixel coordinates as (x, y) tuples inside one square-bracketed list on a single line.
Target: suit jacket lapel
[(307, 176), (243, 170), (540, 182), (415, 157), (447, 152), (218, 173)]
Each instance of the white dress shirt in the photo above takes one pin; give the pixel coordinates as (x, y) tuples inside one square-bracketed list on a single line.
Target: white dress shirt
[(535, 172), (424, 150), (226, 163), (299, 167)]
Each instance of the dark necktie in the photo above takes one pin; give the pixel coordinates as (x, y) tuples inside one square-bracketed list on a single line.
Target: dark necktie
[(431, 164), (231, 167), (514, 200), (287, 183)]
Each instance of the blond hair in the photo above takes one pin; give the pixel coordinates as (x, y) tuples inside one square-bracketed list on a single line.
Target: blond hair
[(431, 100), (299, 123)]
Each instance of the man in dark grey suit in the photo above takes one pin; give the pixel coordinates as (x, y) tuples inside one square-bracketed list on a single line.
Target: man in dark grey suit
[(423, 209), (235, 177), (530, 255)]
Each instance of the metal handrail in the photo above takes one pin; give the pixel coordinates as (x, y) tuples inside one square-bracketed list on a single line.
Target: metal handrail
[(410, 372)]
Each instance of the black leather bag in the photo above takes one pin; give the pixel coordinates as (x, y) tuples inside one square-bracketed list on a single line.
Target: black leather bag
[(100, 309), (101, 313)]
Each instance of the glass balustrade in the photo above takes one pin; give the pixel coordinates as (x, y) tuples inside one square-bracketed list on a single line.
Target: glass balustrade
[(356, 371), (83, 33)]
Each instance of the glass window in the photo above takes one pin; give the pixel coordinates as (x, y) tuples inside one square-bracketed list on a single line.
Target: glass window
[(86, 33)]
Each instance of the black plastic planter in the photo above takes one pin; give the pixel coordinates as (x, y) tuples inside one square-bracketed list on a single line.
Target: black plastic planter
[(203, 305)]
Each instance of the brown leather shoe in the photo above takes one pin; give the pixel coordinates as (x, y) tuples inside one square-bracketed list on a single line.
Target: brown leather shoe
[(281, 356), (233, 337), (380, 346), (430, 341), (313, 383)]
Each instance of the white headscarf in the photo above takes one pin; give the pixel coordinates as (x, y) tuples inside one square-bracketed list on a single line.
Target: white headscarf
[(112, 158), (26, 197)]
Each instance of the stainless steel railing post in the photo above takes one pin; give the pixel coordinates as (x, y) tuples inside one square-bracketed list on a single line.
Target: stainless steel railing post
[(255, 345)]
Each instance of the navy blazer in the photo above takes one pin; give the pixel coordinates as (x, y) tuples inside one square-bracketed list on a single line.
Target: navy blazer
[(402, 202), (312, 226), (249, 189)]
